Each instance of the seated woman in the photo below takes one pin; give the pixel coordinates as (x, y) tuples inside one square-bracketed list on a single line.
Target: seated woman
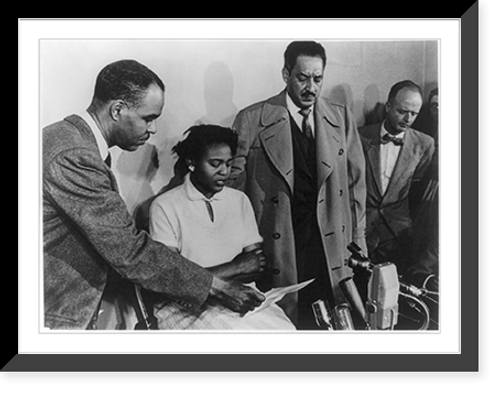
[(207, 222)]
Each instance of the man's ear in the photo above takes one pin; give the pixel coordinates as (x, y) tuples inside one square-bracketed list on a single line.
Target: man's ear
[(115, 109), (387, 106), (285, 75)]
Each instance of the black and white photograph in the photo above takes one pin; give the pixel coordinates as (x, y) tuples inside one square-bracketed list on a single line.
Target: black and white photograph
[(301, 176)]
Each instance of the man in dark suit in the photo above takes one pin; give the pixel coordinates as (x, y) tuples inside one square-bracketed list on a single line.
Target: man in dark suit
[(301, 162), (397, 158), (90, 240)]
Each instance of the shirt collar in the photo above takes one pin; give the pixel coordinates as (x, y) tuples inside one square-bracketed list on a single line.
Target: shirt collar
[(101, 142), (294, 111), (194, 194), (384, 131)]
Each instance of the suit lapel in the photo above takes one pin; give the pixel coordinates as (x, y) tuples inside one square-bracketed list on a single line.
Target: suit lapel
[(79, 123), (405, 155)]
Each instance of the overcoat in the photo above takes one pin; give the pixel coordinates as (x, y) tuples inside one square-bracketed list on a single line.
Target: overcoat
[(263, 168), (388, 214), (88, 233)]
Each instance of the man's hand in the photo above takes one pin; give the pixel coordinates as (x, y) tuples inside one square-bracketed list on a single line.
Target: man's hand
[(235, 296)]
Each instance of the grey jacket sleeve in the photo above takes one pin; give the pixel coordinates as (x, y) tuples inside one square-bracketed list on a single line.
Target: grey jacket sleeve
[(81, 189)]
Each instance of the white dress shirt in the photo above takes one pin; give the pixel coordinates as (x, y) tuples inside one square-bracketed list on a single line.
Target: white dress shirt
[(101, 142), (388, 156), (294, 111)]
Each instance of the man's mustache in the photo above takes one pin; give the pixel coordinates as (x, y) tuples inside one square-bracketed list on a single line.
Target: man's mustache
[(308, 94)]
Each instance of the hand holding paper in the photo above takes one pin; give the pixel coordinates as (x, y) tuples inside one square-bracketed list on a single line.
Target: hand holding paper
[(276, 294)]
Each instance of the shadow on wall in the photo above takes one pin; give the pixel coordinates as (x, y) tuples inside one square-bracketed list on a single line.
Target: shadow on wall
[(374, 106), (177, 173), (218, 95), (368, 111), (220, 109)]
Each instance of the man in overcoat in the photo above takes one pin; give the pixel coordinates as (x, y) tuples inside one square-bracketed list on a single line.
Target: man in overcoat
[(305, 176), (89, 239)]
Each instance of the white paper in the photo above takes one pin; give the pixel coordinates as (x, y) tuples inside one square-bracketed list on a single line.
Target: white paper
[(276, 294)]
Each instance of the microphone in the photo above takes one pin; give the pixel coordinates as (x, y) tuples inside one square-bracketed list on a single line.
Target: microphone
[(352, 296), (342, 319), (339, 319), (358, 259), (383, 293), (322, 314)]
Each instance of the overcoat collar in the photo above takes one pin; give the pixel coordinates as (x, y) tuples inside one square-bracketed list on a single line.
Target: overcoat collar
[(328, 140), (373, 156), (276, 138)]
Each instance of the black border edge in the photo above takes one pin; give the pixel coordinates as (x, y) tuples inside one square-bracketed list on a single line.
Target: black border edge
[(466, 361)]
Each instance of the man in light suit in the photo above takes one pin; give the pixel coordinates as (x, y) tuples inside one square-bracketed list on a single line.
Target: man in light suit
[(304, 174), (89, 238), (397, 157)]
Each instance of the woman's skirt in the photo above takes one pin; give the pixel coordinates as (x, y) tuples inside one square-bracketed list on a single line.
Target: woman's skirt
[(214, 316)]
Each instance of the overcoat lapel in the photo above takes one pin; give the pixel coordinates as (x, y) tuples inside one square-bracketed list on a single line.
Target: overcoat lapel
[(276, 138), (328, 140), (373, 158)]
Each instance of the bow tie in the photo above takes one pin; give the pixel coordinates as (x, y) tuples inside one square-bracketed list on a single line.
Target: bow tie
[(389, 138)]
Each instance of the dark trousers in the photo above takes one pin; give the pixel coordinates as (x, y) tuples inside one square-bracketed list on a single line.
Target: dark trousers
[(311, 263)]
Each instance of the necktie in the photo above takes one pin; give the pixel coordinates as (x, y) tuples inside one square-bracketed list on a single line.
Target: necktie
[(306, 126), (389, 138), (107, 161)]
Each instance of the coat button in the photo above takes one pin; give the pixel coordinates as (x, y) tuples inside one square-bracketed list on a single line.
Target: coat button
[(341, 192), (276, 235), (343, 228), (341, 151), (275, 200)]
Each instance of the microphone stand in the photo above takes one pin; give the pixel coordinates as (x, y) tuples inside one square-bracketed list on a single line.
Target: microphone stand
[(381, 310)]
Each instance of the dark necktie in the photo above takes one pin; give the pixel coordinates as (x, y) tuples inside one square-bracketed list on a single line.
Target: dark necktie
[(389, 138), (107, 161), (306, 126)]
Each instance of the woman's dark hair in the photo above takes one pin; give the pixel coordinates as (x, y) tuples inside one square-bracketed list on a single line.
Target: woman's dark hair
[(200, 137), (127, 80), (303, 48)]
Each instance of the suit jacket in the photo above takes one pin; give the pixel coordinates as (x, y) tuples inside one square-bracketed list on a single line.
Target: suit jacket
[(263, 168), (391, 209), (87, 233)]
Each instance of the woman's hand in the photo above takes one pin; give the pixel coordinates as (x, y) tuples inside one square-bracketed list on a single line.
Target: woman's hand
[(249, 265), (245, 267)]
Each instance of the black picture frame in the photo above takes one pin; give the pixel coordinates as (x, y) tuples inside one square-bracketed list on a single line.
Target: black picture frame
[(465, 361)]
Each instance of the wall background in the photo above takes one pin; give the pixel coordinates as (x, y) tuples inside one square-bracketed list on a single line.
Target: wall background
[(210, 81)]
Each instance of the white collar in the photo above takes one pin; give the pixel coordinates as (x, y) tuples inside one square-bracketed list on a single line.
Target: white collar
[(101, 142), (195, 195), (294, 111)]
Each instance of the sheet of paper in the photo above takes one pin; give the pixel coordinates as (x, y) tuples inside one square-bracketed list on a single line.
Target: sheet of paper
[(276, 294)]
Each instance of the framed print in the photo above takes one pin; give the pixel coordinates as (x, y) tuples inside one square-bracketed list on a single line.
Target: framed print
[(212, 70)]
